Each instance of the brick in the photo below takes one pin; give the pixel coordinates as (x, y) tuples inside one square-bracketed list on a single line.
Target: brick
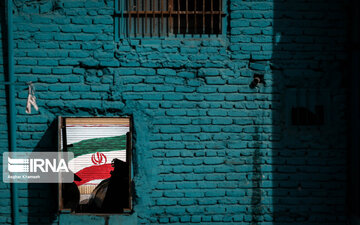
[(170, 129), (95, 29), (203, 89), (61, 19), (58, 88), (209, 72), (49, 45), (68, 62), (191, 129), (62, 70), (94, 4), (174, 97), (144, 71), (71, 29), (217, 112), (48, 79), (81, 20), (175, 112), (78, 54), (174, 80), (99, 55), (41, 70), (70, 79), (48, 62), (88, 62), (27, 62), (194, 194), (189, 50), (36, 53), (22, 69), (222, 121), (103, 20), (84, 37), (27, 45), (90, 46), (64, 37), (215, 80), (57, 53), (41, 19), (168, 72), (213, 193), (73, 4), (153, 97), (43, 36)]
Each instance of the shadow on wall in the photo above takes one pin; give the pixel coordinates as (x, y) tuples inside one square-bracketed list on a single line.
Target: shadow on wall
[(43, 197), (3, 35), (309, 62), (38, 200), (256, 181)]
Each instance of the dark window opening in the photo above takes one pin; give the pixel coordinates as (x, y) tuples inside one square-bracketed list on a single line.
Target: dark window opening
[(304, 116), (141, 18), (101, 165)]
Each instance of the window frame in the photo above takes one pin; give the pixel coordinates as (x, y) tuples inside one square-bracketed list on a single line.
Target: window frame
[(129, 150), (119, 15)]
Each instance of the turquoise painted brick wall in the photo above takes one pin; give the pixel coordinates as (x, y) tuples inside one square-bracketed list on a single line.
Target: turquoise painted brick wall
[(5, 203), (208, 149)]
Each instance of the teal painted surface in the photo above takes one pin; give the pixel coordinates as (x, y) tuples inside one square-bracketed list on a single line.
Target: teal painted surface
[(86, 219), (11, 106), (207, 148)]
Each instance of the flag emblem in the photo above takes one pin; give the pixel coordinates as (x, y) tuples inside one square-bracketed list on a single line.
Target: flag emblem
[(98, 158)]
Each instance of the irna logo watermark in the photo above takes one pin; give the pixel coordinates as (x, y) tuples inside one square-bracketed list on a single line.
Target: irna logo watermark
[(37, 167)]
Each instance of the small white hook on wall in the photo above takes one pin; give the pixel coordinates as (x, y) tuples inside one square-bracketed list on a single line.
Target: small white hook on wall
[(31, 100)]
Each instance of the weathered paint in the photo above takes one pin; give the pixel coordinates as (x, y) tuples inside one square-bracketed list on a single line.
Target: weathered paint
[(207, 148)]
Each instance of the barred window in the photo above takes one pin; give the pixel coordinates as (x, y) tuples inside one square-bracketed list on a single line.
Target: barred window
[(149, 18)]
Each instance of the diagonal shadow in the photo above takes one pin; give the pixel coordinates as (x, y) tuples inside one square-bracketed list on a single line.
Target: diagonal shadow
[(309, 65)]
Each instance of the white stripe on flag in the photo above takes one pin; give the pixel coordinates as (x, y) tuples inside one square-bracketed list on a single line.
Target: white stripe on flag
[(84, 161)]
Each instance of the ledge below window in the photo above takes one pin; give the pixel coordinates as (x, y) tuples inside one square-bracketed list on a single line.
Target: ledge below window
[(97, 219)]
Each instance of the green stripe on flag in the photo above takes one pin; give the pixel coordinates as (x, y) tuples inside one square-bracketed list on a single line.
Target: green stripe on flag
[(98, 145)]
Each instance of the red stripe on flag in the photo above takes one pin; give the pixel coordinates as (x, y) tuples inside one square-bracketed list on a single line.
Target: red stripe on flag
[(95, 172)]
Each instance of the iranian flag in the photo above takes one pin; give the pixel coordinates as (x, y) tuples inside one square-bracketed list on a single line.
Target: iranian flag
[(94, 146)]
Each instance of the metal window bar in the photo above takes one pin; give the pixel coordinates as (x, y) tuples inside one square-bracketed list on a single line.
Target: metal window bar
[(170, 23), (165, 17), (212, 16), (203, 17), (220, 20), (129, 9), (146, 12), (138, 18), (153, 11), (178, 16), (187, 16), (162, 17), (195, 17)]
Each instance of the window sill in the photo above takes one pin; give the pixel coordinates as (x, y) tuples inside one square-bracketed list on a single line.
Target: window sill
[(97, 218)]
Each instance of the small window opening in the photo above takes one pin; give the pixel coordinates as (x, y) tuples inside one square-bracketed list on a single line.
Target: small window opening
[(101, 165), (306, 117)]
